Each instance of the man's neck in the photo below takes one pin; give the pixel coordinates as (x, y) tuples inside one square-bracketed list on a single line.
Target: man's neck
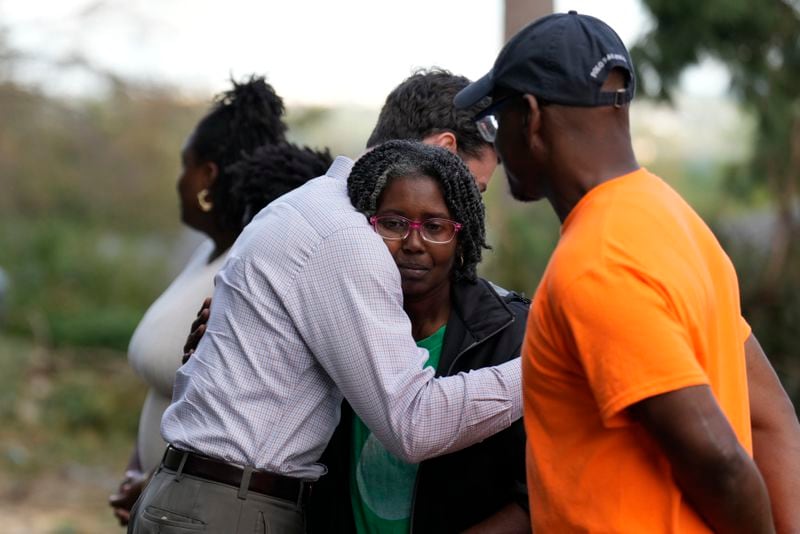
[(586, 170)]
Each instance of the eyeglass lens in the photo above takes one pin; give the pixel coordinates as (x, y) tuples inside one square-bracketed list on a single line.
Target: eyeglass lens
[(487, 127), (433, 230)]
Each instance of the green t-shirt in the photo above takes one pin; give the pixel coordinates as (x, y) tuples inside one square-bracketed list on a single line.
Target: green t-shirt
[(382, 485)]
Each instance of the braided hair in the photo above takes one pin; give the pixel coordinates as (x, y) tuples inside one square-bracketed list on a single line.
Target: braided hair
[(422, 105), (242, 119), (377, 168), (271, 171)]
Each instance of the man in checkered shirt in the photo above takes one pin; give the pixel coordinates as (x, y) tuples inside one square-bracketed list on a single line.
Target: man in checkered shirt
[(308, 311)]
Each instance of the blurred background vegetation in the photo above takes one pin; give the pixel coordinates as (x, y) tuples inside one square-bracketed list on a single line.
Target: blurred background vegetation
[(89, 232)]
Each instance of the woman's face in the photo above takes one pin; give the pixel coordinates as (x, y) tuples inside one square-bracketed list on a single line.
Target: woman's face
[(424, 267), (193, 178)]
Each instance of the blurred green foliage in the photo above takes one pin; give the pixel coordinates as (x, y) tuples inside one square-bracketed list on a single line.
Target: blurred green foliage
[(12, 370), (758, 44), (522, 236), (88, 214), (111, 161), (76, 283), (47, 395)]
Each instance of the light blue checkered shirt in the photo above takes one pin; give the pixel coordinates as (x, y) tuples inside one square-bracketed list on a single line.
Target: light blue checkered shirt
[(307, 309)]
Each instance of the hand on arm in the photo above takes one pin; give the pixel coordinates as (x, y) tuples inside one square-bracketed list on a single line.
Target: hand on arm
[(776, 437), (714, 472), (197, 330), (129, 490)]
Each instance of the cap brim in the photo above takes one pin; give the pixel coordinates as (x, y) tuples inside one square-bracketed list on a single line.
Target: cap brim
[(472, 93)]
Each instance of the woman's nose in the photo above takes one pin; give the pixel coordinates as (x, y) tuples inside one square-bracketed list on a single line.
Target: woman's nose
[(414, 241)]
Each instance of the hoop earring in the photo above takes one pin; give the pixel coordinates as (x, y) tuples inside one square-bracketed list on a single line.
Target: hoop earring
[(203, 201)]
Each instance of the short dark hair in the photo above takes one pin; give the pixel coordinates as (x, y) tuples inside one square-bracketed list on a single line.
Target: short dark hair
[(271, 171), (423, 105), (240, 120), (377, 168)]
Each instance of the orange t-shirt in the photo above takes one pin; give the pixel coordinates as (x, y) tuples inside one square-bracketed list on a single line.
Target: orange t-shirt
[(638, 299)]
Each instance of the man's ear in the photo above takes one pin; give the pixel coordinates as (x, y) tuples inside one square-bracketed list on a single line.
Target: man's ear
[(443, 139), (532, 117)]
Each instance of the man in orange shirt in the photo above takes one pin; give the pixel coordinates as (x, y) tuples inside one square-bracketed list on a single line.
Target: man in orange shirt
[(646, 395)]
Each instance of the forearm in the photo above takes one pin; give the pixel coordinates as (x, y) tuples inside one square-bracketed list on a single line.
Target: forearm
[(374, 362), (729, 495), (429, 417), (511, 519), (776, 437), (781, 472), (714, 473)]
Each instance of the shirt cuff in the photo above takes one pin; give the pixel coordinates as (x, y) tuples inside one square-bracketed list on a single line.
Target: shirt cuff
[(511, 372)]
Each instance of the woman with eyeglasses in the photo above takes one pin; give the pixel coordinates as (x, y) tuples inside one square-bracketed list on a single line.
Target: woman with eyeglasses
[(424, 202)]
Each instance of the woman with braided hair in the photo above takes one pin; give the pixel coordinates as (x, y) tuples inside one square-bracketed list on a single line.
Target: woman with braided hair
[(234, 163), (425, 204)]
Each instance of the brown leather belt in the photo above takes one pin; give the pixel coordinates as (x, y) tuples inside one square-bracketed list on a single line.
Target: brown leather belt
[(270, 484)]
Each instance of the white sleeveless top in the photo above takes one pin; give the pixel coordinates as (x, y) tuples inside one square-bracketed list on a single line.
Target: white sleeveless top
[(156, 347)]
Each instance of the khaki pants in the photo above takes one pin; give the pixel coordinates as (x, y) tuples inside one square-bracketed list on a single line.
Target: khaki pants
[(175, 503)]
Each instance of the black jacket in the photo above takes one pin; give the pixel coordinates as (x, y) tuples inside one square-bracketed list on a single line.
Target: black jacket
[(486, 327)]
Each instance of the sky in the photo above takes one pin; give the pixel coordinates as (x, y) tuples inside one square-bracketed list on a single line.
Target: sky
[(343, 52)]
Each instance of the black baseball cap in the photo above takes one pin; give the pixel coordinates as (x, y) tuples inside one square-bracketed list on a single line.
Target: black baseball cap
[(562, 58)]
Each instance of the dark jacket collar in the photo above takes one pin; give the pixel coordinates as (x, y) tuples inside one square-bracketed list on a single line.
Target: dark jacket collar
[(478, 312)]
